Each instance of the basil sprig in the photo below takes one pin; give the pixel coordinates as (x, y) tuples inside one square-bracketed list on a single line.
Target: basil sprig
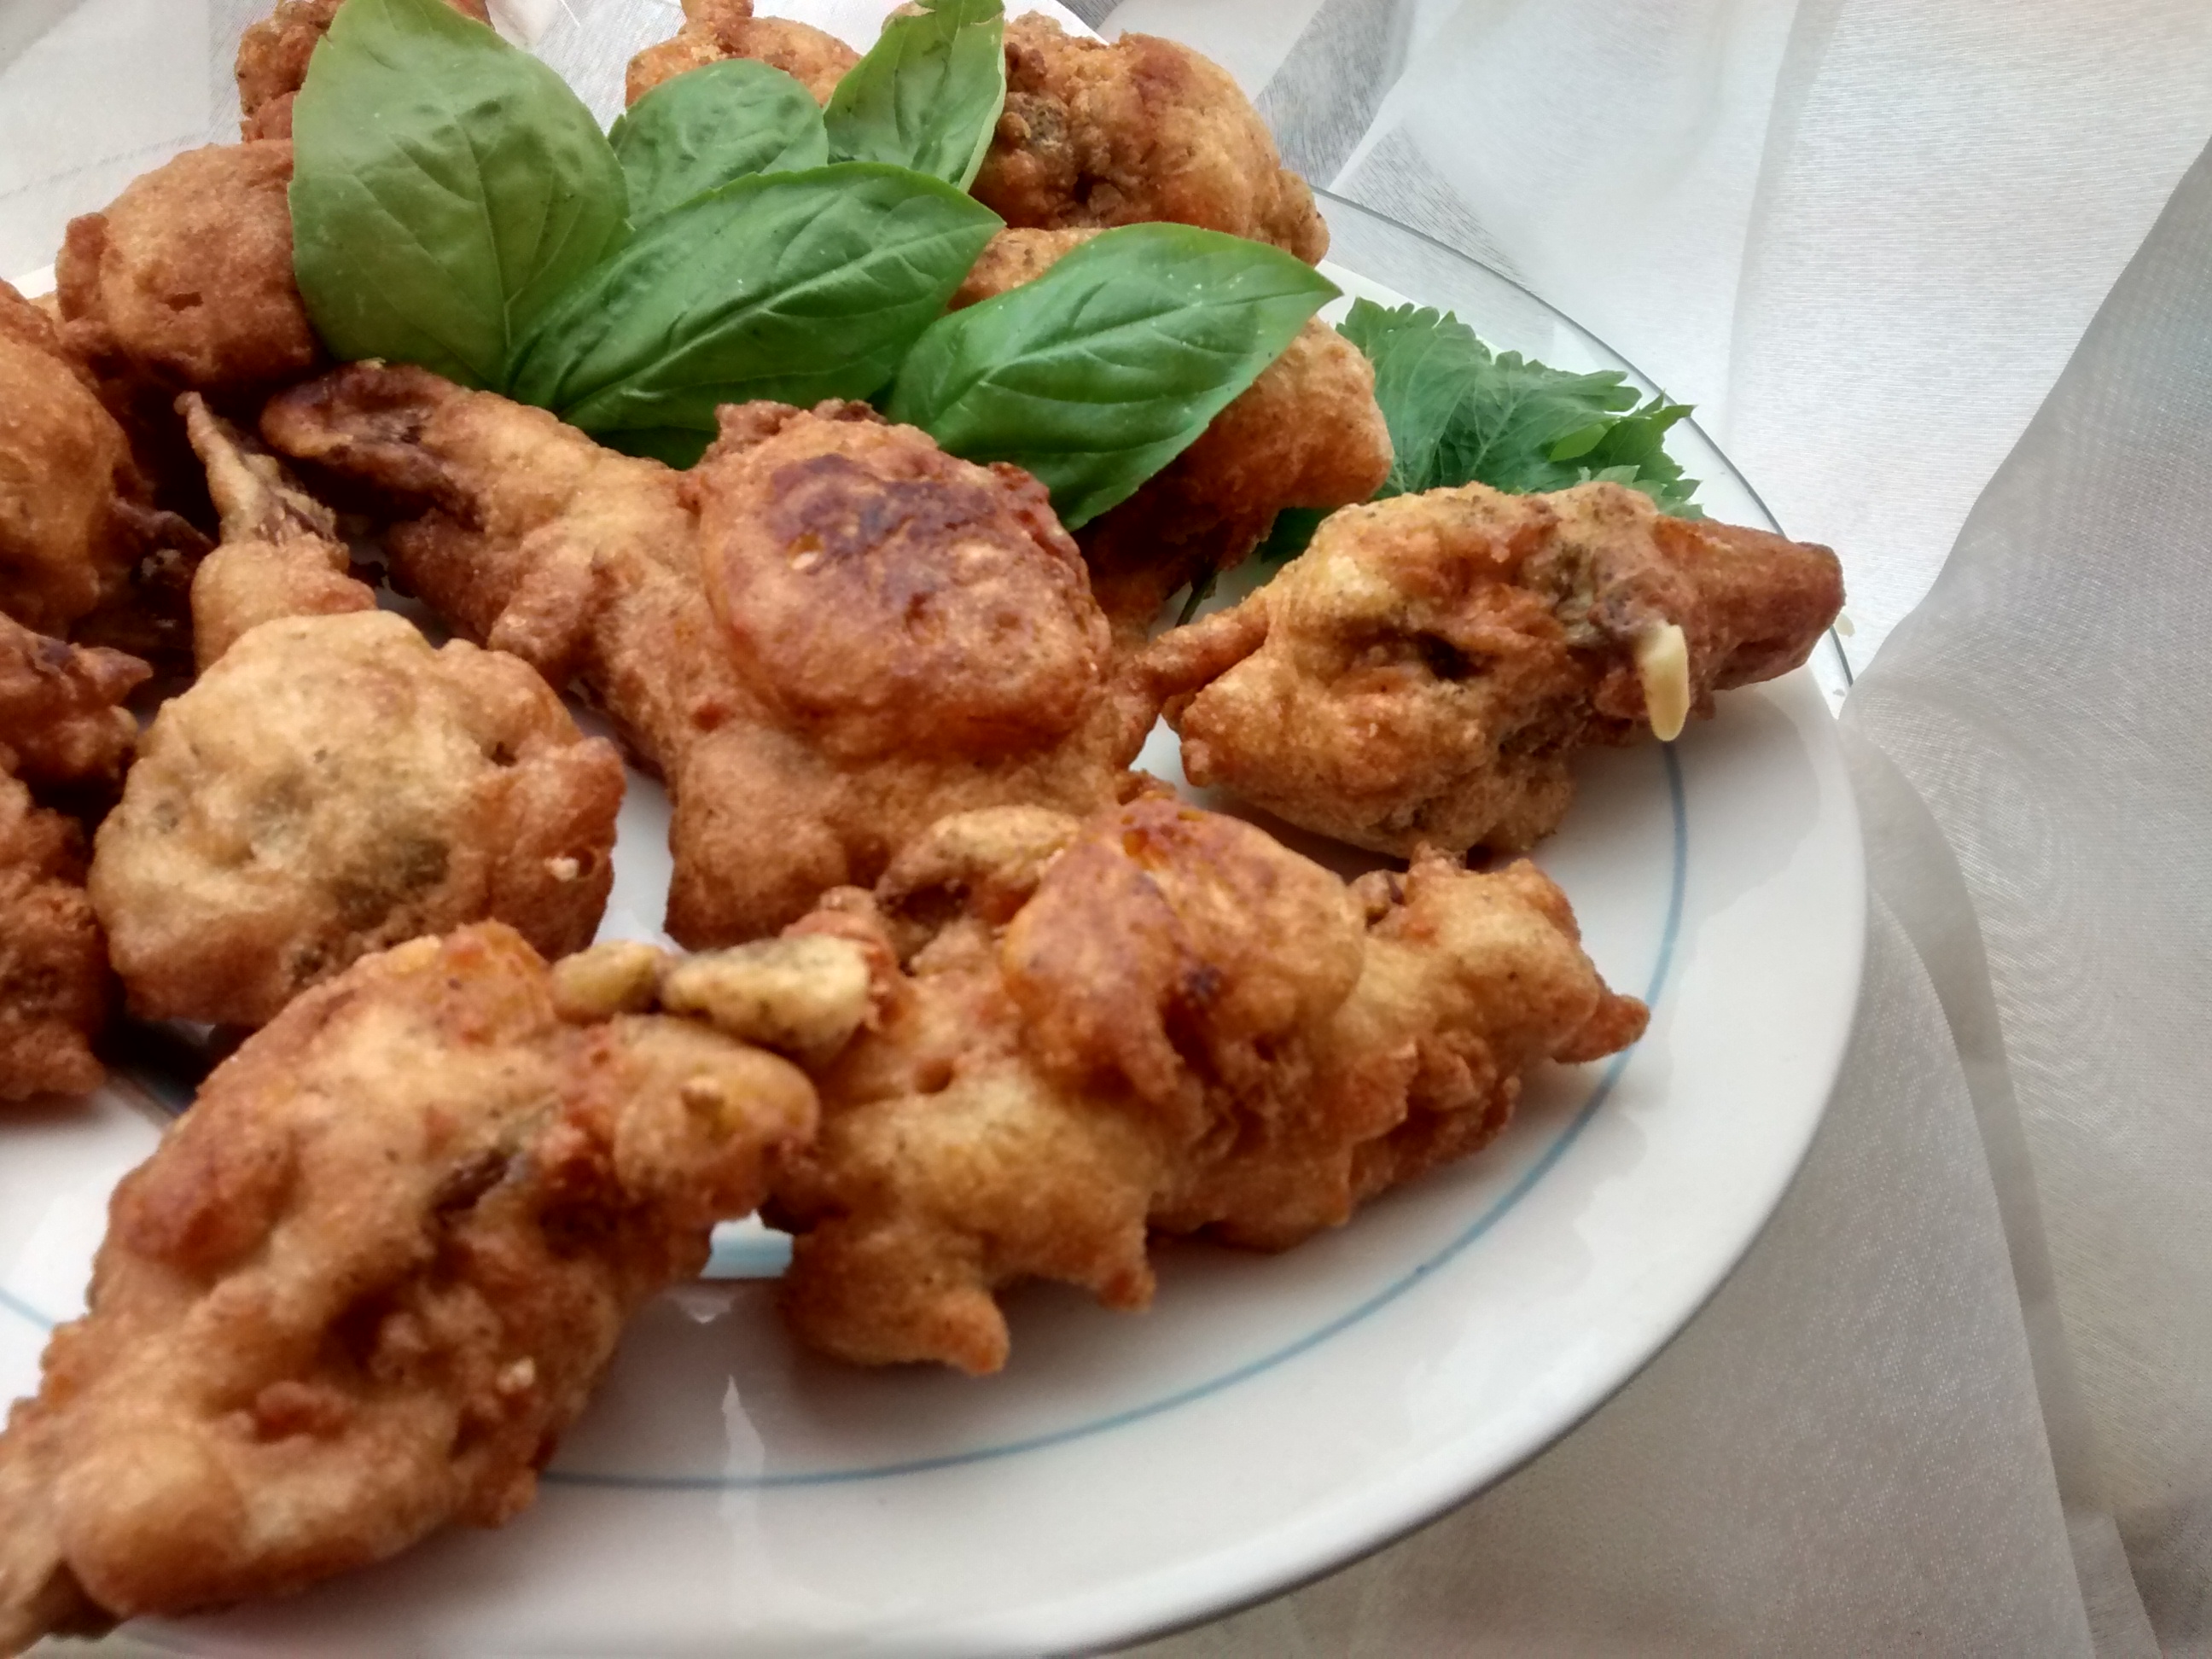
[(446, 188), (453, 205), (794, 286), (927, 95), (712, 125), (1103, 369)]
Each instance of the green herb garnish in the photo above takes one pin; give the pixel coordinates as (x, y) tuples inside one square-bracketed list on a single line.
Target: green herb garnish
[(446, 188), (927, 95), (794, 286), (453, 206), (1103, 369), (1459, 414), (713, 125)]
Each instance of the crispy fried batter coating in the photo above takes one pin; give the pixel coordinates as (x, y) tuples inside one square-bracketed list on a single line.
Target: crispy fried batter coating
[(68, 534), (27, 323), (1013, 257), (55, 989), (272, 60), (61, 713), (1159, 1020), (715, 29), (186, 279), (883, 596), (281, 554), (1422, 674), (362, 1287), (1307, 432), (60, 724), (334, 785), (826, 636), (1139, 130)]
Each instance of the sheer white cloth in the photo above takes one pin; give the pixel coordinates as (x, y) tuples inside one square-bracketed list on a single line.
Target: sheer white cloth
[(1959, 1399)]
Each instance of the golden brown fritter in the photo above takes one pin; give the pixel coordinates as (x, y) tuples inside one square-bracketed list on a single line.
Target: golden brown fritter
[(1013, 257), (280, 556), (27, 322), (366, 1282), (885, 597), (61, 715), (60, 725), (186, 279), (69, 533), (825, 637), (272, 60), (715, 29), (1139, 130), (1422, 674), (55, 989), (1158, 1020), (1307, 432), (334, 785)]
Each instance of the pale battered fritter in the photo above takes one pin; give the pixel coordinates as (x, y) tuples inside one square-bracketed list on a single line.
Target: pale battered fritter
[(334, 785), (1159, 1020), (366, 1282), (1138, 129), (280, 554), (1307, 432), (68, 484), (715, 29), (825, 636), (272, 60), (1423, 673), (185, 280)]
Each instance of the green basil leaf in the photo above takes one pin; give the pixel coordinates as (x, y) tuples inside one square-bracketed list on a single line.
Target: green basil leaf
[(794, 286), (1460, 413), (711, 125), (446, 188), (1105, 368), (1424, 363), (927, 95)]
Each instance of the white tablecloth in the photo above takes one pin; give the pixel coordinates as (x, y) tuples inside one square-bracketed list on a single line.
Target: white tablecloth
[(1959, 1399)]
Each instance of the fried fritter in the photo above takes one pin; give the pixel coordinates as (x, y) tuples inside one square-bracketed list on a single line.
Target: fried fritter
[(55, 989), (715, 29), (1013, 257), (186, 279), (62, 719), (1139, 130), (1158, 1020), (1307, 432), (826, 636), (886, 598), (1423, 673), (272, 60), (60, 725), (280, 555), (366, 1282), (68, 484), (27, 323), (332, 786)]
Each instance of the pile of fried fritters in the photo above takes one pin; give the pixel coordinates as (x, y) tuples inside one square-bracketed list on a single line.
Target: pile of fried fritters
[(968, 1000)]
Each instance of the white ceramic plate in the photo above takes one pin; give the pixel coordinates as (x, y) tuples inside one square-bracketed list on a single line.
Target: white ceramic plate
[(1271, 1416)]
